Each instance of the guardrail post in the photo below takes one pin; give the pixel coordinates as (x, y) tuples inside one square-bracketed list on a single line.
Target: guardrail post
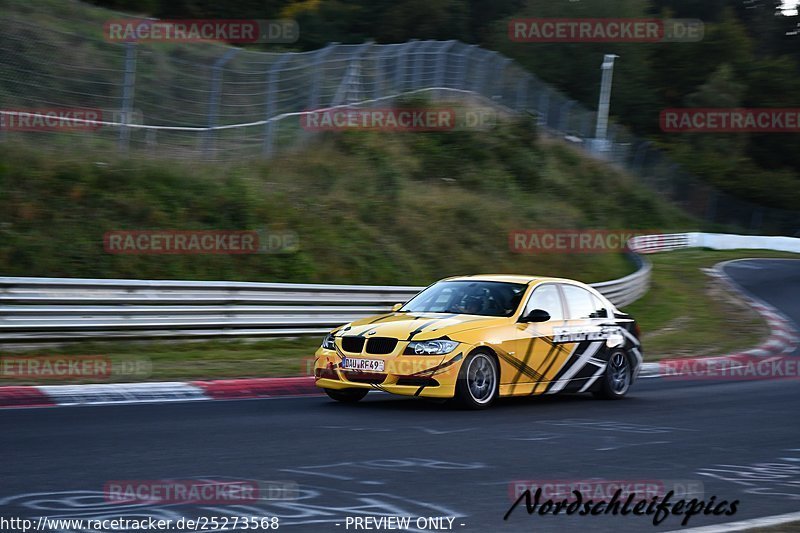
[(128, 89)]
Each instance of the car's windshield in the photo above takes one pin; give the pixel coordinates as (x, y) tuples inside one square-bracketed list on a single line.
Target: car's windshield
[(489, 298)]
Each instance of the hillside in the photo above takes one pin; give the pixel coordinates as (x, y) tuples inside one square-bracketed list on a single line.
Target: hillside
[(366, 208)]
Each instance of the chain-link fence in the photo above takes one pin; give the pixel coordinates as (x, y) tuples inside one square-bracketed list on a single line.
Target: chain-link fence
[(216, 102)]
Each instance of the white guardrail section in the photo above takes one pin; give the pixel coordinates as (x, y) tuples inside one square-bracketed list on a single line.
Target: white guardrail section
[(62, 309), (648, 244)]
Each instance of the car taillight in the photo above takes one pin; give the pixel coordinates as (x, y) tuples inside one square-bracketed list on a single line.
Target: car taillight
[(636, 330)]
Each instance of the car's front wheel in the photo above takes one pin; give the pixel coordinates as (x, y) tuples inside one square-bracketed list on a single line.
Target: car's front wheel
[(617, 378), (478, 381), (347, 395)]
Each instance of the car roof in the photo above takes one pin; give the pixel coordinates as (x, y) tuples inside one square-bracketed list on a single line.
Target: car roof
[(506, 278)]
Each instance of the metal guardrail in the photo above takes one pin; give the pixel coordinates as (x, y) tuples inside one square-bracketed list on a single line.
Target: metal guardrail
[(64, 309), (649, 244), (58, 309)]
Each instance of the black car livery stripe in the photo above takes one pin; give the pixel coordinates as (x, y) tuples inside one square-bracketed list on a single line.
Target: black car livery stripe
[(434, 369), (519, 365), (549, 360)]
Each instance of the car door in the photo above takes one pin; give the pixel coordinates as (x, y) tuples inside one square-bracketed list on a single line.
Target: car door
[(538, 358), (584, 314)]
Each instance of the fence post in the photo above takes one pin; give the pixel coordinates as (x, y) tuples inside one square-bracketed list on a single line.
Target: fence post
[(441, 64), (318, 74), (214, 98), (419, 64), (269, 124), (399, 82), (380, 75), (352, 76), (128, 86)]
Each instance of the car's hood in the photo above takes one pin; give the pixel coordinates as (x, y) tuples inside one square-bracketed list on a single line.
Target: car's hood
[(417, 326)]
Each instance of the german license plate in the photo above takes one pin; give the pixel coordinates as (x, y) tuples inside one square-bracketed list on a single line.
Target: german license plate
[(367, 365)]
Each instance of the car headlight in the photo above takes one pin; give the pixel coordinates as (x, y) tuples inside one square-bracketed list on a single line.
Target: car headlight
[(438, 347), (329, 342)]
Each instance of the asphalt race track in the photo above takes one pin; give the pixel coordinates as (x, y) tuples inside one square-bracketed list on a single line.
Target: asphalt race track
[(406, 457)]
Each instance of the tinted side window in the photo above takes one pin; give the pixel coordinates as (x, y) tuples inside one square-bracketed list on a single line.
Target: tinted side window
[(546, 297), (580, 302)]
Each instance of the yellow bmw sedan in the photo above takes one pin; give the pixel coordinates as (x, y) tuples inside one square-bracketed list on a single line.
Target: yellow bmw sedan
[(477, 338)]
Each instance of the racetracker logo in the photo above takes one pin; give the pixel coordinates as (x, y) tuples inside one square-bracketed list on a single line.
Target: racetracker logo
[(198, 491), (571, 241), (389, 119), (605, 30), (65, 119), (84, 367), (604, 489), (730, 120), (200, 30), (733, 368), (195, 242), (55, 367), (51, 119)]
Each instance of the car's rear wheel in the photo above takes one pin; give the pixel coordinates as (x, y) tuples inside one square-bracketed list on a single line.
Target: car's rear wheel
[(478, 381), (347, 395), (617, 378)]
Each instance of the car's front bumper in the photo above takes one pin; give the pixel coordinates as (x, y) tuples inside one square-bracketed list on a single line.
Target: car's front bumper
[(409, 375)]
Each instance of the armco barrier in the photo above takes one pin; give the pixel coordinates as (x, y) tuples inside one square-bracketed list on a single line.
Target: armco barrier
[(62, 309), (647, 244)]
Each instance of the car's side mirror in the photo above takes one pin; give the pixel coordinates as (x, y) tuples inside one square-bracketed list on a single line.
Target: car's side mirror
[(396, 307), (536, 315)]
